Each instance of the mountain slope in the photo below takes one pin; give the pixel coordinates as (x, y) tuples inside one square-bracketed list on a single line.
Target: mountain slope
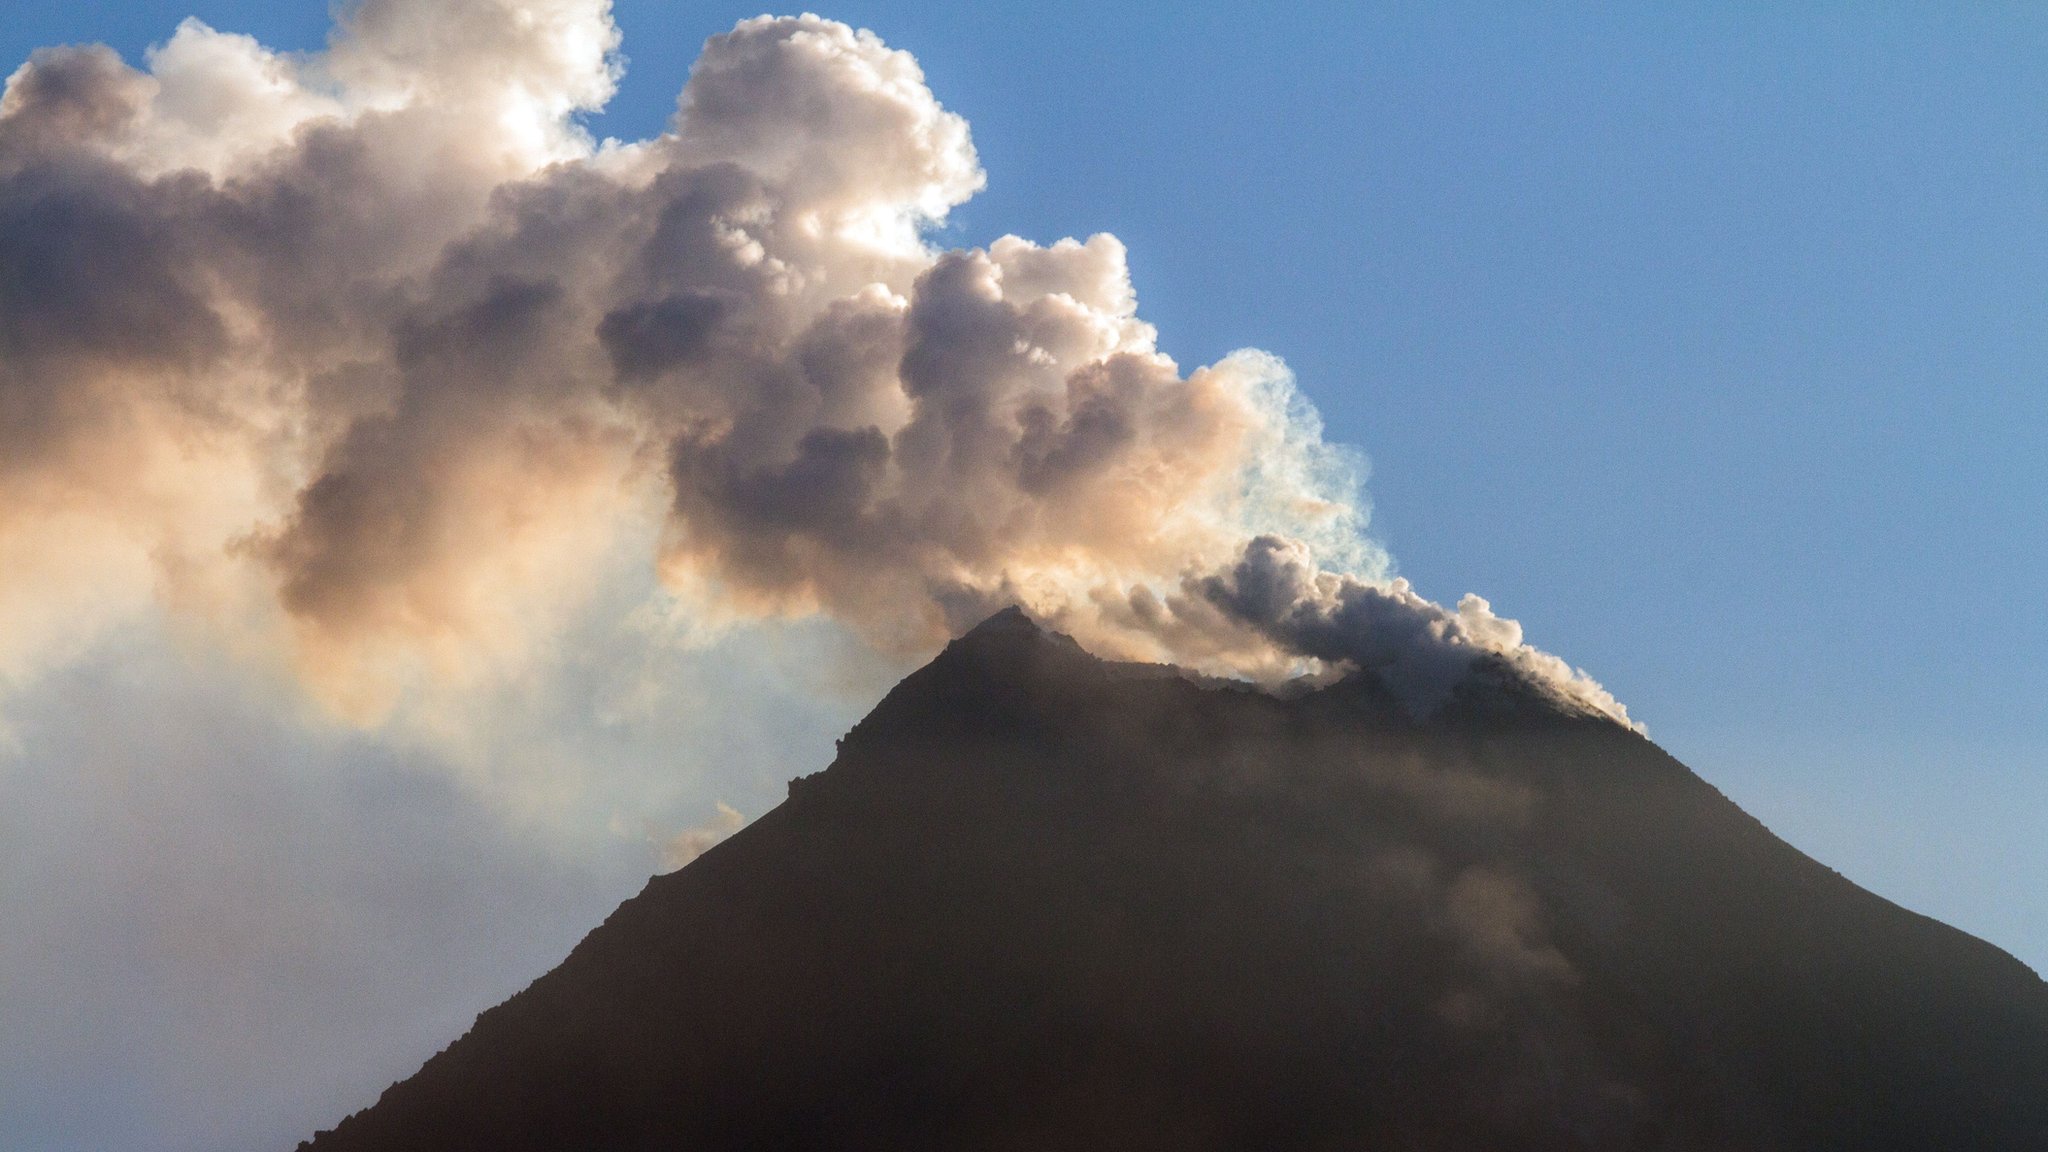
[(1040, 901)]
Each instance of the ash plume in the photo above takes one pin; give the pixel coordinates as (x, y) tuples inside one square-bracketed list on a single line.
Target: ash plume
[(374, 360)]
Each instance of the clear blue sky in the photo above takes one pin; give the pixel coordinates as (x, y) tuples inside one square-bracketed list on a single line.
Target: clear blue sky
[(1710, 342)]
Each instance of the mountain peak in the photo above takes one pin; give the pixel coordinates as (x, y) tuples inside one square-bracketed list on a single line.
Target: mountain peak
[(1012, 631), (1044, 900), (1007, 621), (1009, 654)]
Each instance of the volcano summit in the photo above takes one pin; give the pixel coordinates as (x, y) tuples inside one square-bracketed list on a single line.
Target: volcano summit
[(1045, 901)]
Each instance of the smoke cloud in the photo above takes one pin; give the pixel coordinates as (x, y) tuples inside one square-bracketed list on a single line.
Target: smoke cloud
[(375, 362)]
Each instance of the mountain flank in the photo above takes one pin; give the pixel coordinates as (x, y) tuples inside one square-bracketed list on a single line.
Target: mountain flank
[(1043, 901)]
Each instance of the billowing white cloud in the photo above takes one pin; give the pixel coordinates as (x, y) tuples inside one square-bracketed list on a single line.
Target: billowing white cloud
[(1420, 649), (375, 360)]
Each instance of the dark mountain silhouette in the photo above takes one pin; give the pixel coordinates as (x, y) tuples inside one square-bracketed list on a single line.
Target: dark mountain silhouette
[(1040, 901)]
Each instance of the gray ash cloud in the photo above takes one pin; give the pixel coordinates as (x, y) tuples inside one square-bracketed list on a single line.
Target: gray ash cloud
[(374, 360)]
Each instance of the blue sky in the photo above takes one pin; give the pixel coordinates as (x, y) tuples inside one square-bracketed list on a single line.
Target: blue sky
[(1709, 342), (1712, 343)]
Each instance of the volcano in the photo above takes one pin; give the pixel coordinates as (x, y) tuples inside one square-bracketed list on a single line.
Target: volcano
[(1044, 901)]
